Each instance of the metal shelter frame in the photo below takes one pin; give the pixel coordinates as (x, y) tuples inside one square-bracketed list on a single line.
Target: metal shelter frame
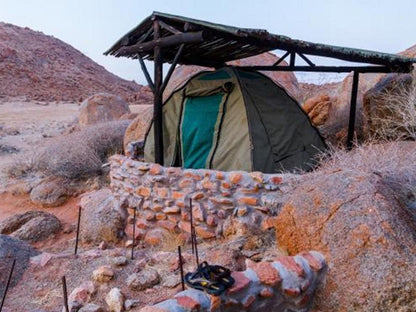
[(166, 38)]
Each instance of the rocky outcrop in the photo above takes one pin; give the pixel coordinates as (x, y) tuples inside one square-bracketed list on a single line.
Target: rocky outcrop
[(388, 108), (285, 284), (12, 248), (368, 238), (31, 226), (102, 107), (136, 131), (35, 66), (102, 218), (318, 109), (51, 192)]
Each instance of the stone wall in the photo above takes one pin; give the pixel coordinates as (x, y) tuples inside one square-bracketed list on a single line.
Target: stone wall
[(223, 203), (286, 284)]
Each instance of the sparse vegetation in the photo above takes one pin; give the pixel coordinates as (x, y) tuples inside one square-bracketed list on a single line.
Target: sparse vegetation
[(82, 153), (395, 112)]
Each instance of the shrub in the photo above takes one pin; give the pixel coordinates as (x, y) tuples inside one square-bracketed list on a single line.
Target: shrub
[(81, 154), (395, 112)]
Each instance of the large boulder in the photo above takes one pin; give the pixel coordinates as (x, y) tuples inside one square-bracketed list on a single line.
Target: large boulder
[(31, 226), (367, 236), (318, 109), (136, 131), (12, 248), (51, 192), (102, 218), (389, 108), (102, 107)]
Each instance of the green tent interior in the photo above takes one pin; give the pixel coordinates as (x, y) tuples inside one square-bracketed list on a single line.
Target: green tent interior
[(234, 119)]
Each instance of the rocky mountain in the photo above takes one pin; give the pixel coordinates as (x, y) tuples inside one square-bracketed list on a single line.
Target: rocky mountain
[(35, 66)]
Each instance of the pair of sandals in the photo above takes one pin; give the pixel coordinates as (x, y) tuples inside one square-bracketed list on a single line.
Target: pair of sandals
[(213, 279)]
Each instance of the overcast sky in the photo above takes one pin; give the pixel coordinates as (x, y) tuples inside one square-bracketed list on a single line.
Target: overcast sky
[(92, 26)]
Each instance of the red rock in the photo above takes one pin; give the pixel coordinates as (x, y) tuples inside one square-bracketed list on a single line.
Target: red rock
[(161, 192), (157, 208), (266, 273), (222, 201), (154, 236), (226, 185), (198, 196), (215, 303), (180, 203), (292, 292), (251, 201), (152, 309), (266, 293), (314, 263), (257, 176), (276, 180), (184, 183), (208, 184), (212, 220), (185, 226), (188, 303), (160, 216), (240, 282), (235, 177), (268, 223), (290, 264), (178, 195), (219, 175), (144, 191), (168, 225), (149, 215), (155, 169), (204, 232), (198, 212), (248, 302)]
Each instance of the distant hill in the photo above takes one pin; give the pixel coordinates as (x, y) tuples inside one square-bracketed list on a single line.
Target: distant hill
[(35, 66)]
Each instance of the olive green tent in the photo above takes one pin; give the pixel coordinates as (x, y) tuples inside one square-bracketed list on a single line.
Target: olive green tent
[(233, 119)]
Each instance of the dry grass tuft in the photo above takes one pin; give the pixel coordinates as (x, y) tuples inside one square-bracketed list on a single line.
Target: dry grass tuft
[(395, 112), (81, 154)]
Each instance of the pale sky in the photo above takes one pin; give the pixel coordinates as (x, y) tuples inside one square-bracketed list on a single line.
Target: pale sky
[(92, 26)]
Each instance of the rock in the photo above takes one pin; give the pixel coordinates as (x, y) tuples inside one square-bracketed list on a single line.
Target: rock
[(119, 261), (31, 226), (103, 274), (54, 71), (81, 295), (318, 109), (100, 108), (369, 239), (155, 236), (382, 119), (138, 127), (51, 192), (115, 300), (144, 279), (91, 307), (13, 248), (102, 218), (171, 281), (130, 303)]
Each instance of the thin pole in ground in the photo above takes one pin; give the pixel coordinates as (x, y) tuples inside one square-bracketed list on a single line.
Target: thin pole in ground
[(192, 225), (181, 267), (78, 226), (134, 233), (65, 291), (8, 284)]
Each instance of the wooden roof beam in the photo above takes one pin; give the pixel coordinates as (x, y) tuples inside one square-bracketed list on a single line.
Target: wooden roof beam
[(174, 40)]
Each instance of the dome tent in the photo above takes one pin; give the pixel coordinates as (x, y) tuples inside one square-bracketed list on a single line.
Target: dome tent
[(234, 119)]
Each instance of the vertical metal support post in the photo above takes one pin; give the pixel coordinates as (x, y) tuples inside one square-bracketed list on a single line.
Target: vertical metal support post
[(78, 226), (65, 293), (7, 285), (157, 102), (292, 59), (192, 225), (181, 267), (353, 108), (134, 233)]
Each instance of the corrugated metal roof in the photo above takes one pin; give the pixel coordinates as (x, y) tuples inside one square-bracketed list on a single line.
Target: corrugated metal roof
[(222, 43)]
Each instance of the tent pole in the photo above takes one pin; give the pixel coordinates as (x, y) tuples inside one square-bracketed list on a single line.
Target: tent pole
[(353, 107), (157, 101)]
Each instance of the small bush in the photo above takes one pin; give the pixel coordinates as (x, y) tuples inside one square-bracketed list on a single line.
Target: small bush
[(21, 167), (395, 113), (81, 154)]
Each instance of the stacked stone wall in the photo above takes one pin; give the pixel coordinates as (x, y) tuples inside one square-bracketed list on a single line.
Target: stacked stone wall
[(223, 203)]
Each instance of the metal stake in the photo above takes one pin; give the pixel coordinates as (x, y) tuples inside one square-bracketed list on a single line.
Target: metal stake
[(181, 267), (192, 226), (78, 226), (8, 284), (65, 294), (134, 233)]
